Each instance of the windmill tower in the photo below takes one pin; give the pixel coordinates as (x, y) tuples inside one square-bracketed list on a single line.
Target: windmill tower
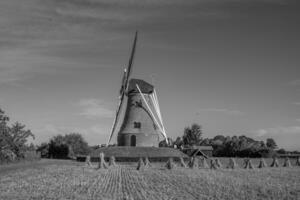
[(142, 122)]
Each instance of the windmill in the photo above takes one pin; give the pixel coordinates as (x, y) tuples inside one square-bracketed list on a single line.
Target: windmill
[(142, 122)]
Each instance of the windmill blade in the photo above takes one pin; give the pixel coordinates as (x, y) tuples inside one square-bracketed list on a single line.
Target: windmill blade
[(116, 118), (124, 86), (130, 63), (123, 82), (152, 114)]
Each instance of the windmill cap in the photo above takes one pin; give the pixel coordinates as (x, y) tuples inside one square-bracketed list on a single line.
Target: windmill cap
[(146, 88)]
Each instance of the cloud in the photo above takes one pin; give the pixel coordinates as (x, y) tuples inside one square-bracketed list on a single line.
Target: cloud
[(222, 110), (94, 134), (289, 130), (23, 63), (285, 136), (297, 103), (94, 108), (35, 33), (298, 120), (32, 20)]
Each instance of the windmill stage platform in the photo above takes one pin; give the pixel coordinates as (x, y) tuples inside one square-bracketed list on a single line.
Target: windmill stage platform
[(132, 154)]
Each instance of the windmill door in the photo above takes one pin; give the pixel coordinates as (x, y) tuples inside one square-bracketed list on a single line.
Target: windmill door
[(133, 141)]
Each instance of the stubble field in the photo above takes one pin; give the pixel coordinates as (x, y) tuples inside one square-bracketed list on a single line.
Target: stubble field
[(72, 180)]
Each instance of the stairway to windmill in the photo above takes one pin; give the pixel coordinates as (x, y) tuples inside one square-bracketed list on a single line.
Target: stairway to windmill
[(141, 125)]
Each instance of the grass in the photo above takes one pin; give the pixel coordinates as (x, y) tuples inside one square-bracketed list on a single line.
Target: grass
[(67, 180)]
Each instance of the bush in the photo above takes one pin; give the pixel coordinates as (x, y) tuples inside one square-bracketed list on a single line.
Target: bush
[(7, 156), (60, 151), (63, 147)]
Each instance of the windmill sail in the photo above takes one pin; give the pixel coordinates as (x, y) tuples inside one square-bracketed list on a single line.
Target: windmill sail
[(124, 87)]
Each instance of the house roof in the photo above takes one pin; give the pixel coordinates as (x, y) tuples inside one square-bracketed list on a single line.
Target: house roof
[(198, 152), (207, 148)]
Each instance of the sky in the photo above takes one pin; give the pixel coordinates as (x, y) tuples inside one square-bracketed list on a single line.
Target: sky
[(232, 66)]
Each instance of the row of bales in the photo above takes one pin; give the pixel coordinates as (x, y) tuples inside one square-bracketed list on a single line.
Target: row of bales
[(195, 163)]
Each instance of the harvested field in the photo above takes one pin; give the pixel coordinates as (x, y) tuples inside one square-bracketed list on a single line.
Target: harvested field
[(59, 180)]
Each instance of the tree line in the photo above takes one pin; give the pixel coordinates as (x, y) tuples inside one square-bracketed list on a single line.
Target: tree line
[(14, 139), (224, 146)]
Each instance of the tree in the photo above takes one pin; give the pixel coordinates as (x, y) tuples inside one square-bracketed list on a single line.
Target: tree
[(178, 142), (281, 151), (77, 143), (13, 138), (17, 138), (271, 143), (58, 150), (205, 142), (66, 146), (192, 135), (44, 149), (3, 131), (219, 137)]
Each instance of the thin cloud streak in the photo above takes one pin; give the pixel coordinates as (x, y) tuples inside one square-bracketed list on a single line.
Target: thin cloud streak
[(92, 134), (94, 108), (222, 110), (288, 130)]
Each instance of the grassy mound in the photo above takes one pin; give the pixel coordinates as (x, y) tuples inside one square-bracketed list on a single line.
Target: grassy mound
[(132, 154)]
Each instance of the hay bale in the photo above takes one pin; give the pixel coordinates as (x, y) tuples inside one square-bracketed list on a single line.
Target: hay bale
[(232, 164), (182, 163), (298, 161), (262, 163), (102, 164), (213, 165), (141, 165), (170, 164), (274, 162), (287, 162), (112, 161), (218, 163), (147, 162), (193, 164), (248, 164), (88, 161), (204, 164)]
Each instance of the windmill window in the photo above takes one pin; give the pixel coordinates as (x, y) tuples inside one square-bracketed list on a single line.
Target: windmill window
[(139, 103), (137, 124)]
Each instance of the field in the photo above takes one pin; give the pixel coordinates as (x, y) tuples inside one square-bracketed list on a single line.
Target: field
[(48, 179)]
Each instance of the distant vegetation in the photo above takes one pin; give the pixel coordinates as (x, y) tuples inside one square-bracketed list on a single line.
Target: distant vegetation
[(224, 146), (13, 140), (14, 143), (67, 146)]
